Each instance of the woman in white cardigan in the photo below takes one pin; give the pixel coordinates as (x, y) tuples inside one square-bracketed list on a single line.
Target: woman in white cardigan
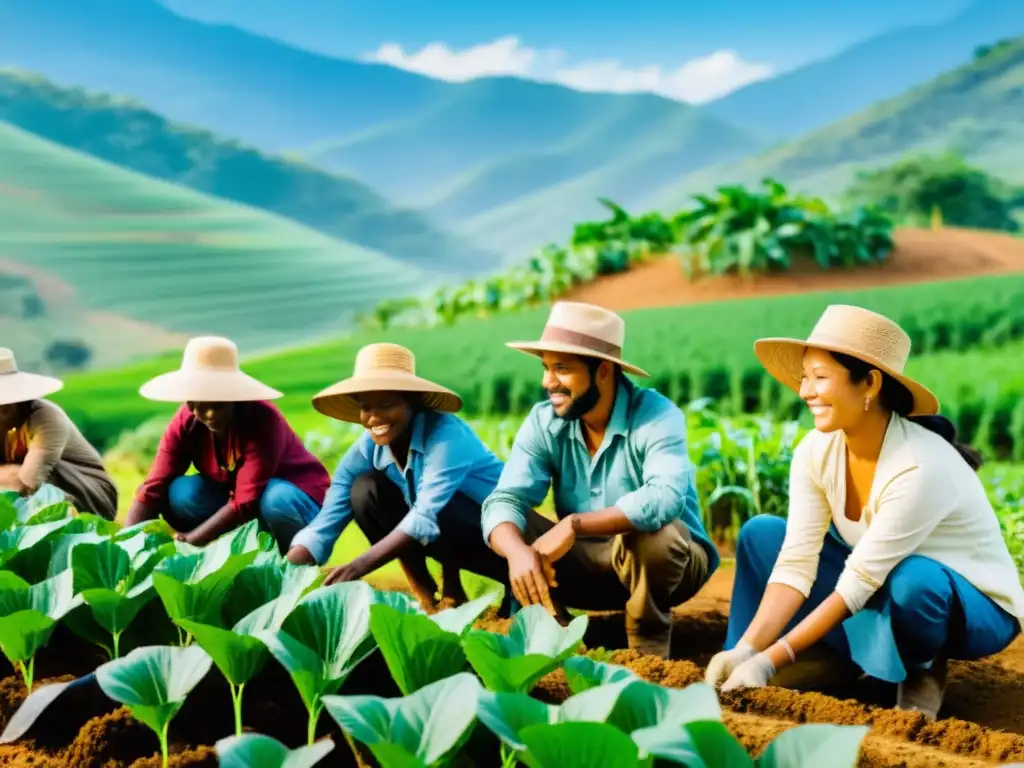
[(891, 554)]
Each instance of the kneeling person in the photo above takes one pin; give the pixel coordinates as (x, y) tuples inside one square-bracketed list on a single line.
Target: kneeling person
[(629, 531), (413, 481)]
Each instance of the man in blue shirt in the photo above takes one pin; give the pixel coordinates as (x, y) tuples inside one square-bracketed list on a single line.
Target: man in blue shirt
[(614, 456)]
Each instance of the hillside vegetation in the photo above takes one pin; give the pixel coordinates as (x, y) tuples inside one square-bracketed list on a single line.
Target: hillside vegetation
[(976, 110), (114, 241), (129, 135)]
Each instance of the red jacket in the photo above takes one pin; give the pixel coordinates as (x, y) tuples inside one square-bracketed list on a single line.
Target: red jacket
[(261, 445)]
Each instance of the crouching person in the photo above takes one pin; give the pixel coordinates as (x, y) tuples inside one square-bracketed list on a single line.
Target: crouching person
[(43, 446), (249, 462), (413, 481), (629, 533)]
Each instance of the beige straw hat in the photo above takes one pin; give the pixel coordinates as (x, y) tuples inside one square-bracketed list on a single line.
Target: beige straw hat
[(19, 387), (382, 368), (209, 373), (854, 331), (581, 329)]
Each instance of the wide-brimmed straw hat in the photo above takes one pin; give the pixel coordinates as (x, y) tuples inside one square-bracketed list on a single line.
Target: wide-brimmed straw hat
[(854, 331), (383, 368), (19, 387), (575, 328), (209, 373)]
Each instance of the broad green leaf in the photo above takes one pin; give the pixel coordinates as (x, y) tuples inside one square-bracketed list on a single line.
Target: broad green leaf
[(461, 618), (8, 512), (584, 673), (23, 633), (253, 750), (578, 745), (642, 704), (715, 744), (23, 539), (425, 728), (417, 651), (50, 513), (673, 743), (102, 565), (257, 585), (194, 587), (153, 682), (535, 645), (46, 496), (815, 744)]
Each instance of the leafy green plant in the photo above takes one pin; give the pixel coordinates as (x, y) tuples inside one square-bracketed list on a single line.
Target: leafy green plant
[(421, 649), (536, 644), (322, 640), (153, 682), (583, 673), (426, 728), (804, 746), (253, 750), (28, 615)]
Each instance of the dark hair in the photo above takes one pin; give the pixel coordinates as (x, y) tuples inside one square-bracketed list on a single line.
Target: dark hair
[(897, 398), (593, 363)]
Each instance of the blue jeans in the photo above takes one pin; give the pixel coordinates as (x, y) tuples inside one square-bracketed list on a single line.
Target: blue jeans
[(923, 609), (284, 509)]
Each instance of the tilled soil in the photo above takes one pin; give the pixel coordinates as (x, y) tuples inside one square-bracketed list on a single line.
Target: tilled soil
[(982, 723)]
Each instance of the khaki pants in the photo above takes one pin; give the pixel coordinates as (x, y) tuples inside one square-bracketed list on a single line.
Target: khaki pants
[(647, 573)]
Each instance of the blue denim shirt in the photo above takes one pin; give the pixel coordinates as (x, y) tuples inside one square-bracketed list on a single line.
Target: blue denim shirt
[(642, 467), (445, 456)]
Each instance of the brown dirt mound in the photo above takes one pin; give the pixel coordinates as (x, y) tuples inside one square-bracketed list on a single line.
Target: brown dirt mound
[(920, 255)]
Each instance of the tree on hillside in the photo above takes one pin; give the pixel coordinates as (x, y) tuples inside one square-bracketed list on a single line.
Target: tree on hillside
[(913, 188)]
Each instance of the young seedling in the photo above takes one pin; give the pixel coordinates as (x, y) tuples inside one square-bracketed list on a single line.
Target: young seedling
[(153, 683), (254, 750), (421, 649), (536, 644), (28, 616), (424, 729), (323, 639)]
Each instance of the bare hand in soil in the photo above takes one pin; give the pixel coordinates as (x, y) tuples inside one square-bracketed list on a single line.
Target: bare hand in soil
[(556, 542), (528, 573), (723, 663), (341, 574)]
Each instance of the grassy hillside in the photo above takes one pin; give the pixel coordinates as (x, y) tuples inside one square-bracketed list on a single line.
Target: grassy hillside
[(977, 110), (129, 135), (690, 351), (882, 67), (113, 241)]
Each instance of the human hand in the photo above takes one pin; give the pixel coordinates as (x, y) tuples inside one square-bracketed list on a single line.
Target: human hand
[(531, 577), (185, 537), (557, 542), (723, 663), (342, 574), (755, 672), (299, 555)]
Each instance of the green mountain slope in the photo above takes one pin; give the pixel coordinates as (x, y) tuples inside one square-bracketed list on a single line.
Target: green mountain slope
[(150, 251), (976, 110), (127, 134)]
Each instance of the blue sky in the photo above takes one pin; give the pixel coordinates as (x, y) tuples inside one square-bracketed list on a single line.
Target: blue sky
[(597, 43)]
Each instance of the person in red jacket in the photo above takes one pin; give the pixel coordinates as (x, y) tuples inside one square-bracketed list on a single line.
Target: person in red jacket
[(249, 461)]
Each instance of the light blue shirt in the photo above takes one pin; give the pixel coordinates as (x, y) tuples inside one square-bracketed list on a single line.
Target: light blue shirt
[(445, 456), (642, 467)]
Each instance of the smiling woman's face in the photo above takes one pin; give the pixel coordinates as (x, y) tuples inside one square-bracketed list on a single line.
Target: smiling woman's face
[(386, 415), (833, 399)]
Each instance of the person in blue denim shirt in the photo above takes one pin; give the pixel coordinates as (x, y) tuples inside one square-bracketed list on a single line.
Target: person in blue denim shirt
[(413, 481), (629, 533)]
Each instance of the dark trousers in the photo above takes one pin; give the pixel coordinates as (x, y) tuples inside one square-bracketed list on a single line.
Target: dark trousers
[(378, 506)]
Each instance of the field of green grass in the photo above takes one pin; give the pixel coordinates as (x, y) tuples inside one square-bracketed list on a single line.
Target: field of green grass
[(154, 251), (694, 351)]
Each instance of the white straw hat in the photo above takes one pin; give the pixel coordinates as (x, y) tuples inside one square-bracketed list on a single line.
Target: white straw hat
[(383, 368), (581, 329), (19, 387), (209, 373), (854, 331)]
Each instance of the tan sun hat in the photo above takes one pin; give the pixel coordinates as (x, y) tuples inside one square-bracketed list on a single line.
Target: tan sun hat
[(854, 331), (581, 329), (209, 373), (382, 368), (19, 387)]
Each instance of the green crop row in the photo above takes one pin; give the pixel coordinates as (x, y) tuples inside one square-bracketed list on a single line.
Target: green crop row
[(694, 351)]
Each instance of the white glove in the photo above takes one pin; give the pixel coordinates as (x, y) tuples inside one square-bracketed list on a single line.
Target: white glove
[(752, 673), (723, 663)]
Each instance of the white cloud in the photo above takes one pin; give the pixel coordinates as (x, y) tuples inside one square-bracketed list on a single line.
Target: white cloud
[(696, 81)]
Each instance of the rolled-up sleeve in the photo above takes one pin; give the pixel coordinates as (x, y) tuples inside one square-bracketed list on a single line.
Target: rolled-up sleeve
[(666, 473), (807, 523), (47, 436), (909, 509), (524, 480), (323, 531)]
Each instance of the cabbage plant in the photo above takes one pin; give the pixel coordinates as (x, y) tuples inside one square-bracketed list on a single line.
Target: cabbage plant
[(153, 682), (426, 728), (28, 615), (535, 645), (253, 750)]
